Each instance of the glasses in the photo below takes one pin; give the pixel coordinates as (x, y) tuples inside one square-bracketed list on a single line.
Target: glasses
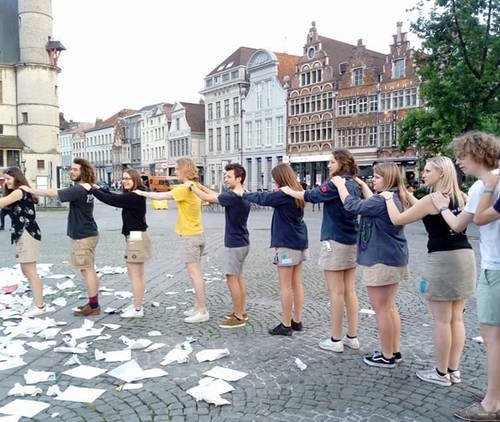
[(126, 178)]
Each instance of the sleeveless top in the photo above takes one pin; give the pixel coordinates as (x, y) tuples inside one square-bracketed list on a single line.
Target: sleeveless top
[(441, 236), (23, 218)]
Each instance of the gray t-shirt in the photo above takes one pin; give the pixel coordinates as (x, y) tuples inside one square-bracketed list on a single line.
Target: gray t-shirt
[(81, 223)]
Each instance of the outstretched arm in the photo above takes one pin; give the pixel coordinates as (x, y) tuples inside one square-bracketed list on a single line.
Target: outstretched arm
[(365, 190), (414, 213), (51, 193), (207, 195), (339, 183), (154, 195), (457, 223), (11, 198), (487, 212), (297, 194)]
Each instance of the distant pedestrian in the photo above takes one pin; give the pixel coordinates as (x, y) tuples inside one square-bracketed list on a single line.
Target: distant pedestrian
[(3, 213), (289, 240), (316, 204)]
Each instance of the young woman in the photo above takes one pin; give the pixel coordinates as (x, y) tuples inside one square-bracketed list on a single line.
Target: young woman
[(383, 252), (449, 274), (339, 233), (25, 233), (289, 239), (189, 227), (138, 248)]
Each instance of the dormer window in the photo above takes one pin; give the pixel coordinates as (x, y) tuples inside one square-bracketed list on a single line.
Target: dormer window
[(342, 67), (398, 68), (357, 76)]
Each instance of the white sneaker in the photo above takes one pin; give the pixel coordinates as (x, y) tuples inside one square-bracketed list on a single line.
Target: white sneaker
[(34, 311), (190, 312), (352, 343), (455, 377), (431, 375), (197, 317), (333, 346), (133, 313)]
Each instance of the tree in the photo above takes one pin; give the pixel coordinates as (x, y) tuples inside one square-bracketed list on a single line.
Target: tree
[(459, 69)]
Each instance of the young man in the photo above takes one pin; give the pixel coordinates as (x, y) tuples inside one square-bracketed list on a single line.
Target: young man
[(82, 228), (236, 239), (476, 154)]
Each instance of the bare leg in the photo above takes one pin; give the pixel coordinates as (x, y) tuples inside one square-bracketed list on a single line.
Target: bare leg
[(194, 271), (491, 335), (442, 311), (243, 291), (91, 280), (382, 299), (396, 320), (29, 270), (335, 283), (351, 302), (298, 292), (457, 334), (236, 295), (285, 275), (136, 276)]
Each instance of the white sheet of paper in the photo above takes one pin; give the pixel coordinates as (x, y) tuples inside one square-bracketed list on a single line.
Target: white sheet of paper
[(211, 354), (73, 360), (12, 363), (154, 333), (41, 345), (118, 356), (132, 386), (49, 333), (127, 372), (60, 301), (225, 374), (53, 390), (175, 355), (84, 371), (10, 418), (367, 311), (68, 284), (152, 373), (80, 394), (153, 347), (24, 390), (33, 377), (112, 326), (26, 408)]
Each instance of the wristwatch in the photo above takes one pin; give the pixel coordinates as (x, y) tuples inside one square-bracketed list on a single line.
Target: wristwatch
[(444, 208)]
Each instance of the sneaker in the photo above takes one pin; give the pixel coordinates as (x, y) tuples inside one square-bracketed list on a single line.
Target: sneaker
[(280, 330), (398, 357), (233, 322), (352, 343), (229, 316), (34, 311), (476, 412), (455, 377), (378, 359), (197, 317), (87, 310), (133, 313), (332, 346), (297, 326), (190, 312), (431, 375)]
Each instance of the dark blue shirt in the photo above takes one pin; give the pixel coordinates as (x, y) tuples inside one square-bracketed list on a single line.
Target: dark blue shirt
[(237, 210), (380, 241), (288, 229), (338, 224)]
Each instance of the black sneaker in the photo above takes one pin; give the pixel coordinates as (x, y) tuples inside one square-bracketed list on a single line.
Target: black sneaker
[(378, 359), (398, 358), (297, 326), (281, 330)]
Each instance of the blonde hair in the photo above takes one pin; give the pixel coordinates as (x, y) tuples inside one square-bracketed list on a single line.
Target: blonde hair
[(284, 175), (189, 168), (393, 179), (448, 182)]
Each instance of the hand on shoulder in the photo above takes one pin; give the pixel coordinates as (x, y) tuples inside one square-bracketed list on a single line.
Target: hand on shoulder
[(86, 186), (491, 180), (387, 195), (26, 188), (439, 199), (286, 189), (338, 181), (138, 192)]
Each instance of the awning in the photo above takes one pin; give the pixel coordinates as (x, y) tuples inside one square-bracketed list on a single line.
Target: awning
[(11, 142)]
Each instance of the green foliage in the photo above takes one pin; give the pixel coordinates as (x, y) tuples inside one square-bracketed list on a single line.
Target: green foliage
[(459, 68)]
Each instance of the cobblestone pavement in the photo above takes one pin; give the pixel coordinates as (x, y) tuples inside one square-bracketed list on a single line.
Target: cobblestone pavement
[(334, 387)]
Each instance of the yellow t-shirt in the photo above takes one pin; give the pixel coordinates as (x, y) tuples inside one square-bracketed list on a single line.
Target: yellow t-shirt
[(189, 213)]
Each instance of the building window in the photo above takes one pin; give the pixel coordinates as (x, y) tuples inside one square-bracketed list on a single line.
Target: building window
[(373, 103), (234, 74), (363, 105), (269, 131), (268, 94), (362, 136), (398, 69), (357, 76), (279, 130), (351, 137), (411, 97), (13, 157), (25, 117), (372, 140), (227, 137), (210, 111), (259, 96), (236, 106), (342, 108), (249, 134), (385, 135), (208, 83), (236, 134), (341, 138), (312, 77), (225, 77), (226, 107), (1, 93), (219, 139), (352, 106), (258, 132), (210, 140), (1, 129), (177, 124), (217, 110), (40, 164)]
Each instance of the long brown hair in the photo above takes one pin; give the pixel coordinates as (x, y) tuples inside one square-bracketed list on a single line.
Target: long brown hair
[(87, 174), (284, 175), (189, 168), (345, 161), (19, 180), (393, 179), (136, 180)]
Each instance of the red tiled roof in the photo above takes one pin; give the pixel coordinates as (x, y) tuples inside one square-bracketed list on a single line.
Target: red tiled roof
[(286, 66), (110, 121), (195, 116), (237, 58)]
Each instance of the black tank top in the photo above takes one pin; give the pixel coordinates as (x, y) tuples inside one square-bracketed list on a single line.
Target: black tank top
[(441, 236)]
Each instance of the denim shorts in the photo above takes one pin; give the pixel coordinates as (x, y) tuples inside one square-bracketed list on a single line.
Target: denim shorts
[(488, 297)]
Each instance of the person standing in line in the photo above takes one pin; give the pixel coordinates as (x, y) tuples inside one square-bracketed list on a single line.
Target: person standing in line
[(383, 252), (25, 234), (236, 238), (339, 233), (3, 213), (81, 229), (138, 244), (189, 228), (289, 238), (449, 274), (476, 154)]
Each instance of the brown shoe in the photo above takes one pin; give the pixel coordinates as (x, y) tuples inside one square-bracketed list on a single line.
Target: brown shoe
[(229, 316), (233, 322), (476, 412), (86, 310)]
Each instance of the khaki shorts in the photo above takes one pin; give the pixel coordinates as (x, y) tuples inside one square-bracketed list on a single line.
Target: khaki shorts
[(335, 256), (286, 257), (27, 249), (384, 275), (83, 253), (192, 248), (138, 248)]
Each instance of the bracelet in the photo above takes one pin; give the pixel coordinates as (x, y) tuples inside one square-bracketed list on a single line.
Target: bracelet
[(488, 191), (443, 209)]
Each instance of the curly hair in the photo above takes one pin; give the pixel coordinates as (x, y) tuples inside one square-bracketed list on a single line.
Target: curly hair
[(482, 147), (346, 162), (87, 174)]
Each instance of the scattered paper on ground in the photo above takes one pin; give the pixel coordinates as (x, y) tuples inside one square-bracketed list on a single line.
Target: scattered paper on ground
[(84, 371), (225, 374), (301, 365), (211, 354), (24, 390), (80, 394), (26, 408), (175, 355), (367, 311), (33, 377)]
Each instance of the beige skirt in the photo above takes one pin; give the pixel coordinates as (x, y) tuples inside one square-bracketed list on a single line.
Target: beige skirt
[(384, 275), (27, 249), (138, 248), (449, 275), (335, 256)]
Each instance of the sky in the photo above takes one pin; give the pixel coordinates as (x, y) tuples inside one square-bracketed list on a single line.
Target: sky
[(132, 53)]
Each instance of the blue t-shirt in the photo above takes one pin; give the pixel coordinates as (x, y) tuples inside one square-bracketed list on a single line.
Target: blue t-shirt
[(237, 210)]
